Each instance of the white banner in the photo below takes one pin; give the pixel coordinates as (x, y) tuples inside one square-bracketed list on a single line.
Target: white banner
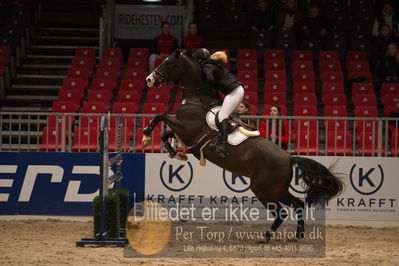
[(370, 194), (144, 21)]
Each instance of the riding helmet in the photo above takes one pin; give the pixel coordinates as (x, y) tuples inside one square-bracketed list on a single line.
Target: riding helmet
[(202, 54)]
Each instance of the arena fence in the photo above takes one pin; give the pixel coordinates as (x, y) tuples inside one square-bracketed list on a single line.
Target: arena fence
[(77, 132)]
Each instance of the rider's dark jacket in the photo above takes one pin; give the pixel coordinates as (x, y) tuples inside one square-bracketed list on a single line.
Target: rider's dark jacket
[(218, 78)]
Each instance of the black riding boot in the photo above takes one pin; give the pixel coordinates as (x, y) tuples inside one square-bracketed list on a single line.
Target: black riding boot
[(221, 144)]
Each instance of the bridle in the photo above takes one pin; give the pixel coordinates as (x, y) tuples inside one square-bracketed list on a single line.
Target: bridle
[(163, 76)]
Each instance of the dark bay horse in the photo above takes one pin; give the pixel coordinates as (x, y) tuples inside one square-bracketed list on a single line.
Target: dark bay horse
[(267, 165)]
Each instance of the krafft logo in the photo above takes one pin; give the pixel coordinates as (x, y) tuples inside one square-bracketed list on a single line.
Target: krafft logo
[(176, 177), (366, 181), (297, 184), (235, 183)]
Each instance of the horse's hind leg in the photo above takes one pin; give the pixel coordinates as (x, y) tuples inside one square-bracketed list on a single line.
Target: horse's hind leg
[(165, 137), (299, 207), (279, 213)]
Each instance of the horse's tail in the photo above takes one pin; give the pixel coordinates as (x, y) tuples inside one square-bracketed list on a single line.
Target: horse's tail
[(321, 183)]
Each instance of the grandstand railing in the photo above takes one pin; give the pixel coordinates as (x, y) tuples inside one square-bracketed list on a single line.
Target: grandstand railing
[(68, 132)]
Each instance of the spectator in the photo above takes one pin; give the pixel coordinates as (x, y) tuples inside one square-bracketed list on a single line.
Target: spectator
[(244, 109), (193, 41), (289, 17), (162, 45), (387, 16), (263, 17), (381, 43), (313, 26), (274, 111), (388, 68)]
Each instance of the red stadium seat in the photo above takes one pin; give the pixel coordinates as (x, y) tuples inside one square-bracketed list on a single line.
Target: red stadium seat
[(51, 139), (355, 56), (132, 84), (390, 99), (75, 96), (303, 76), (110, 62), (93, 108), (129, 96), (275, 75), (358, 66), (328, 56), (304, 87), (251, 97), (305, 110), (362, 88), (366, 111), (113, 52), (138, 63), (305, 98), (79, 84), (79, 72), (103, 84), (307, 143), (332, 76), (154, 108), (124, 108), (362, 126), (135, 74), (274, 64), (334, 99), (302, 66), (154, 146), (275, 86), (301, 55), (247, 64), (332, 87), (389, 88), (339, 143), (335, 110), (107, 73), (139, 53), (364, 99), (246, 54), (279, 98), (250, 85), (158, 96), (65, 107), (274, 54), (85, 52), (85, 139), (330, 66), (86, 62), (247, 75), (104, 96)]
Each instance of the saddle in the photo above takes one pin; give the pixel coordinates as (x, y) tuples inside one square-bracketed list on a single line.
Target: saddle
[(234, 122)]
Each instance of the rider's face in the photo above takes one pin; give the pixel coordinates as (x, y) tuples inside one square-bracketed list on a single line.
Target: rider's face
[(273, 111)]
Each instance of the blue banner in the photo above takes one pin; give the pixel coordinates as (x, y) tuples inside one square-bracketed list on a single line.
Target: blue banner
[(59, 183)]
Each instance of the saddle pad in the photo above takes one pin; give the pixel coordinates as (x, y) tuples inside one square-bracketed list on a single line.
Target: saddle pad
[(234, 138)]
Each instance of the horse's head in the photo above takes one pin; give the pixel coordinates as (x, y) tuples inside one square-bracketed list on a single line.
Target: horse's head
[(172, 70)]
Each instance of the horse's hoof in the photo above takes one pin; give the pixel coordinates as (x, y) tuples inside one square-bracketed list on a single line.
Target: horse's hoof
[(146, 140), (181, 156), (266, 238)]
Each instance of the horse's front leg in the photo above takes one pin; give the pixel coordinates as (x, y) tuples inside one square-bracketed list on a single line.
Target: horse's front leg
[(172, 152), (148, 130)]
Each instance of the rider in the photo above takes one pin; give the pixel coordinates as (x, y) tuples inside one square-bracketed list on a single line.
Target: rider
[(219, 78)]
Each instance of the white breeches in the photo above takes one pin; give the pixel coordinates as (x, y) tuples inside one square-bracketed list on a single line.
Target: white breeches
[(231, 102)]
